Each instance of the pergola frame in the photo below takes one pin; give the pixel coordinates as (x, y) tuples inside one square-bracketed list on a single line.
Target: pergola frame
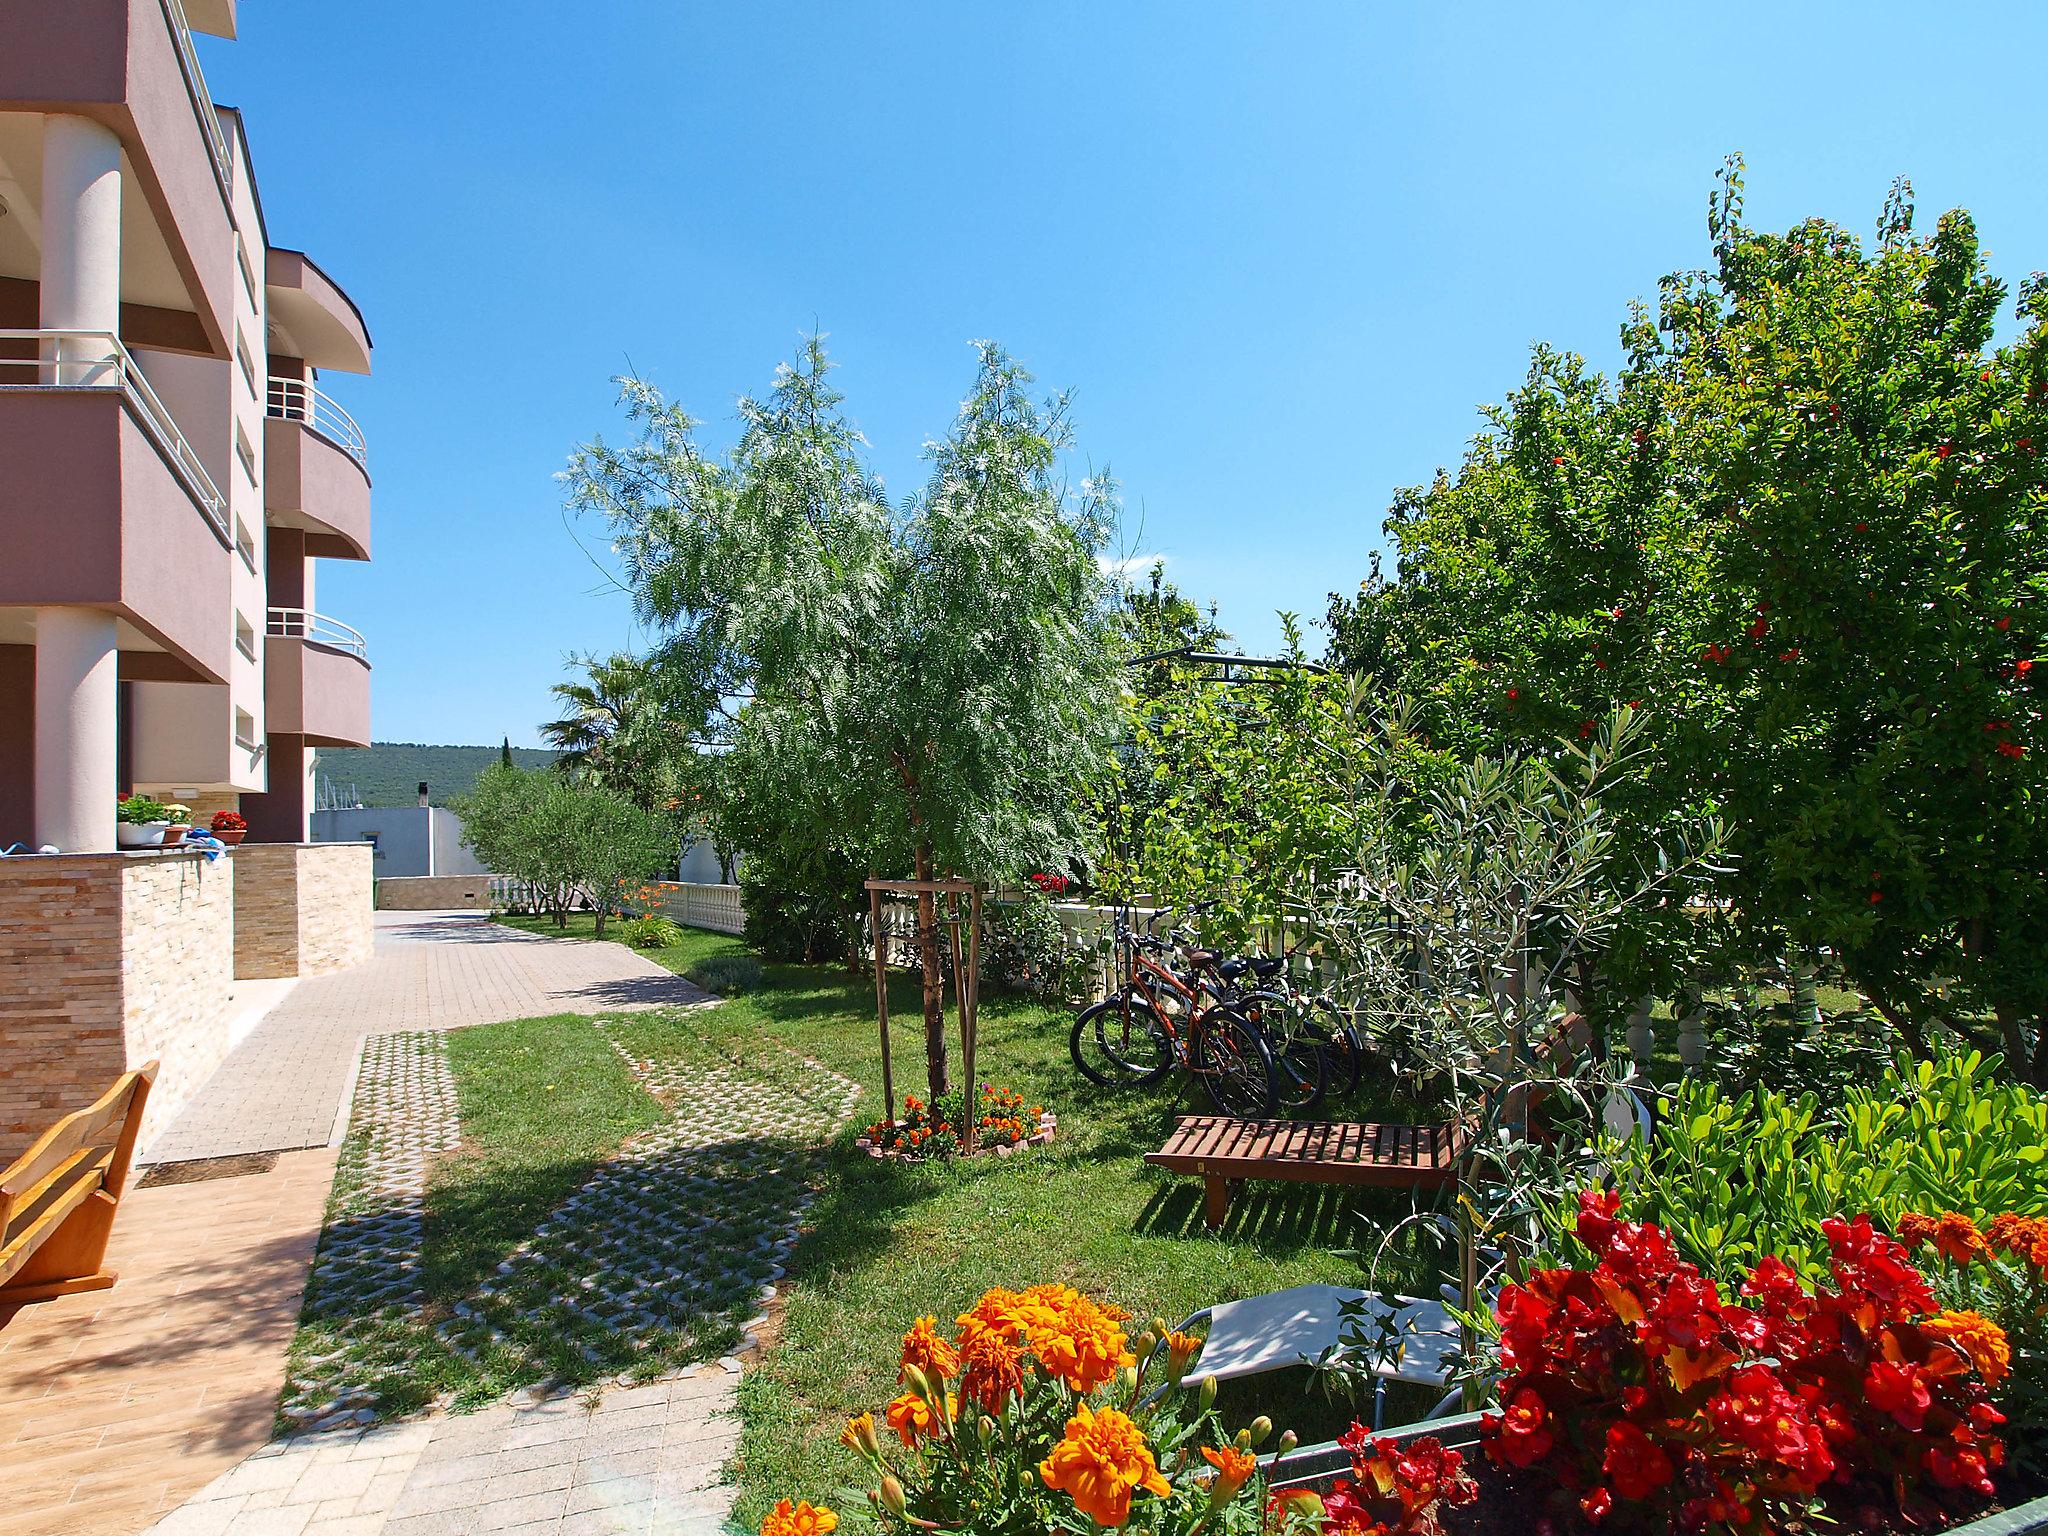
[(966, 980)]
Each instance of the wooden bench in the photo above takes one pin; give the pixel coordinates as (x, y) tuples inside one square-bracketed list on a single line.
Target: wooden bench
[(1223, 1152), (57, 1200)]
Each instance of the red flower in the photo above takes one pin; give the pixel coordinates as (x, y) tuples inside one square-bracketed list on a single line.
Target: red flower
[(1943, 451), (1876, 897), (1557, 459), (1525, 1435), (1597, 1504), (2010, 749), (2022, 668), (1960, 1469), (1899, 1390), (2005, 623), (1791, 655), (1585, 729), (1637, 1464)]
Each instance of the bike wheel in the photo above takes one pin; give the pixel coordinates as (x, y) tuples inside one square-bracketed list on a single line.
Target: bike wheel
[(1300, 1044), (1120, 1043), (1235, 1065)]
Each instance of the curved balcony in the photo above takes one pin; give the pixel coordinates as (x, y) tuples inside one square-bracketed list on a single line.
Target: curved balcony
[(316, 680), (316, 470)]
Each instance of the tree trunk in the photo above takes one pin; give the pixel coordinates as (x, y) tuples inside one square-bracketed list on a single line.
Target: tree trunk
[(1903, 1021), (599, 931), (934, 984)]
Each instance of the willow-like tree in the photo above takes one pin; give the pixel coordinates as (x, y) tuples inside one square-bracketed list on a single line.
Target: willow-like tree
[(926, 683)]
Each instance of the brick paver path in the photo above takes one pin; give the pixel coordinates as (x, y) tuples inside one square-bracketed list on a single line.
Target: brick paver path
[(117, 1405), (641, 1460), (285, 1086)]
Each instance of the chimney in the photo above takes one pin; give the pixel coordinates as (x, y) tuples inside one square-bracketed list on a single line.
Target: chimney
[(423, 793)]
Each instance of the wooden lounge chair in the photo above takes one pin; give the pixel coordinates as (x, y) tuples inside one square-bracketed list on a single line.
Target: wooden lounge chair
[(1223, 1152), (57, 1200)]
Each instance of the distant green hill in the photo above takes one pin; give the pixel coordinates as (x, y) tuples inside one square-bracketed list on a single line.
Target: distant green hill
[(389, 772)]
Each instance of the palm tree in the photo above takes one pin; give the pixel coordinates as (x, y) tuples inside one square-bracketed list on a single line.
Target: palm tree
[(605, 712)]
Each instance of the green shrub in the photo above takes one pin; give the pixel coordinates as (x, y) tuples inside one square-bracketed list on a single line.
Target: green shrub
[(140, 810), (787, 924), (727, 975), (1736, 1177), (1025, 947), (653, 931)]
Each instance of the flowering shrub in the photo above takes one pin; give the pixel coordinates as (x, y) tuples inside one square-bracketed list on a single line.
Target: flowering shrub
[(1396, 1488), (934, 1130), (1049, 885), (638, 898), (230, 821), (1993, 1285), (1641, 1391), (1039, 1415)]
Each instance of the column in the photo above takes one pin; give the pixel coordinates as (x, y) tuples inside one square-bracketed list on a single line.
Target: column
[(77, 657), (81, 263)]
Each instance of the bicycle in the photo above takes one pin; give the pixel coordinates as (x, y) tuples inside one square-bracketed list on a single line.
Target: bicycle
[(1159, 1019)]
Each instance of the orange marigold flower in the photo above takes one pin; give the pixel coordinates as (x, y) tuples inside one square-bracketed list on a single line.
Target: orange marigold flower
[(992, 1364), (1233, 1469), (1076, 1338), (1978, 1337), (1915, 1229), (1181, 1349), (803, 1519), (1100, 1462), (859, 1435), (1957, 1239), (926, 1349), (913, 1418), (2024, 1237)]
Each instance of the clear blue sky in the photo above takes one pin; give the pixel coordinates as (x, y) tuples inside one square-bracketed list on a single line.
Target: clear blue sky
[(1279, 251)]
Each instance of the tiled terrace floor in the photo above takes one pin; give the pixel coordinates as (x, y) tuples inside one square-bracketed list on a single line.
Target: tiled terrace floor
[(117, 1405)]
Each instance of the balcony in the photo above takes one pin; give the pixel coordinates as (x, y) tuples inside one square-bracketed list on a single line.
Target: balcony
[(130, 65), (106, 504), (316, 680), (316, 471)]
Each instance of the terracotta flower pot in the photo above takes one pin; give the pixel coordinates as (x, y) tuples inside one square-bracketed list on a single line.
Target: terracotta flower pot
[(231, 835)]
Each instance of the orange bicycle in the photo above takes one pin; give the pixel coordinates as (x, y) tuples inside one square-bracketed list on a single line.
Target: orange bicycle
[(1159, 1019)]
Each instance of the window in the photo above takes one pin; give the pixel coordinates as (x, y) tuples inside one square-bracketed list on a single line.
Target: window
[(245, 730), (245, 453), (242, 358), (245, 637), (245, 545)]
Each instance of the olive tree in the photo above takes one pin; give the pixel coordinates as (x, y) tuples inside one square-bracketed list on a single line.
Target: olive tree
[(926, 683)]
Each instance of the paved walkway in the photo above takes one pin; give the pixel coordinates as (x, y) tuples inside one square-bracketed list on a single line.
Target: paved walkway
[(286, 1086), (640, 1460)]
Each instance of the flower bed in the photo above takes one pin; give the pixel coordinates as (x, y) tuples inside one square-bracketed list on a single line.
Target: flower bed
[(1636, 1398), (934, 1130), (1039, 1415)]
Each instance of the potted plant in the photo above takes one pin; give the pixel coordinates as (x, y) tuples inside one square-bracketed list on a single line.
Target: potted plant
[(180, 817), (230, 826), (141, 822)]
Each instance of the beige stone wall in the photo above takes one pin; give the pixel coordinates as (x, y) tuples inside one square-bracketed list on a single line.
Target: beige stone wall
[(60, 990), (337, 917), (177, 962), (108, 961), (435, 893), (266, 909), (302, 909)]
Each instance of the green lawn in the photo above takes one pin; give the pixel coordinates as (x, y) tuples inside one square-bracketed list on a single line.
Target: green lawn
[(889, 1242)]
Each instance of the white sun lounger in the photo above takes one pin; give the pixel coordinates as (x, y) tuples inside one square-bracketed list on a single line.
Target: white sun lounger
[(1299, 1325)]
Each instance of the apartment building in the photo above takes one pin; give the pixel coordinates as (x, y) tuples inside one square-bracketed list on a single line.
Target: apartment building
[(171, 474)]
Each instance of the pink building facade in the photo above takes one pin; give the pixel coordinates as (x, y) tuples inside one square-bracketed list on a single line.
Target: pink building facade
[(171, 469)]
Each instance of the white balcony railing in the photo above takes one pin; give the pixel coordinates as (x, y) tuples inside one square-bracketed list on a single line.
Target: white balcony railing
[(304, 624), (298, 400), (97, 360), (202, 99)]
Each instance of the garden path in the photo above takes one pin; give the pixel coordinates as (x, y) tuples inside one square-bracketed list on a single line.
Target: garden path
[(288, 1084)]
